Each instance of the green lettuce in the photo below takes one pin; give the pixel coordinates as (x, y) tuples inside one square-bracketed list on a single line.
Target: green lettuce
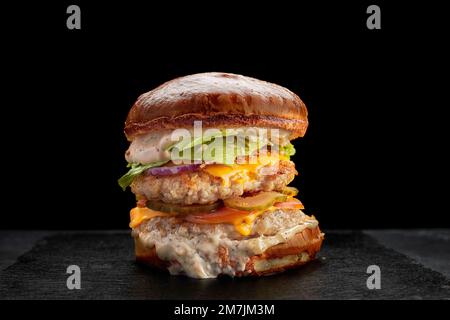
[(136, 169), (288, 149), (206, 148), (229, 152), (186, 144)]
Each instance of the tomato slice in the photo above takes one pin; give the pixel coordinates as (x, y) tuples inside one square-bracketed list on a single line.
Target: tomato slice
[(222, 215), (290, 204)]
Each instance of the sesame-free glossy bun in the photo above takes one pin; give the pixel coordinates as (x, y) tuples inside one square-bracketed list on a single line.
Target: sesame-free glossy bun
[(219, 100)]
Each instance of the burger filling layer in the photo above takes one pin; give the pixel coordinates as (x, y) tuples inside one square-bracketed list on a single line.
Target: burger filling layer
[(197, 250), (228, 154), (207, 207), (214, 182)]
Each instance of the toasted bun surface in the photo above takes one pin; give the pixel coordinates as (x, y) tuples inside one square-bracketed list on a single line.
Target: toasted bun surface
[(295, 252), (219, 100)]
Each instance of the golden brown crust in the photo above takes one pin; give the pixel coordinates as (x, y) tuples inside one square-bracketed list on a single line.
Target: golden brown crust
[(219, 100), (303, 245), (309, 240), (251, 271)]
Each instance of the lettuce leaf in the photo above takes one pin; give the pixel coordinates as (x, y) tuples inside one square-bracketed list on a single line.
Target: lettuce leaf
[(136, 169), (210, 150), (186, 144), (226, 153), (288, 149)]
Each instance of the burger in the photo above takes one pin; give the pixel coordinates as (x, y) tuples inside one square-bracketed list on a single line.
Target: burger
[(209, 165)]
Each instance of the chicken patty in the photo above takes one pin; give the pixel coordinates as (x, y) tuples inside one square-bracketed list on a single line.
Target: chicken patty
[(202, 187), (267, 224)]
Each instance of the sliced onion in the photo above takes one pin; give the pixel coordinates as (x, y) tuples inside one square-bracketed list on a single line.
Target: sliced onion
[(167, 171)]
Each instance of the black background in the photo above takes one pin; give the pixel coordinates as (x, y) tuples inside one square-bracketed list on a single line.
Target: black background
[(373, 155)]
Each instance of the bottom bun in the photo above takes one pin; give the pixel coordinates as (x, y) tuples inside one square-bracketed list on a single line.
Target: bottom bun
[(296, 251)]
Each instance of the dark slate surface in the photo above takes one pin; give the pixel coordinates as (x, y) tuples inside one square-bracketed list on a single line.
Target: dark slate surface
[(429, 247), (108, 271)]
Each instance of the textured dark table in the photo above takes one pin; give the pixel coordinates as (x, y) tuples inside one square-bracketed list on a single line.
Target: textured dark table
[(414, 265)]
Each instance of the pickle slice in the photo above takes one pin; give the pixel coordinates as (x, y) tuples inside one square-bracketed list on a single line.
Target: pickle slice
[(182, 209), (261, 201), (290, 191)]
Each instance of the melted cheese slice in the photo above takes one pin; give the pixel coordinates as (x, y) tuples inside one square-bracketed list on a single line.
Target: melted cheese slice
[(225, 172), (139, 215), (243, 225)]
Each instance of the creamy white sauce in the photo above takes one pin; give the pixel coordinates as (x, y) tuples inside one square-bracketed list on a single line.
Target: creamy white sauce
[(197, 254), (151, 147)]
